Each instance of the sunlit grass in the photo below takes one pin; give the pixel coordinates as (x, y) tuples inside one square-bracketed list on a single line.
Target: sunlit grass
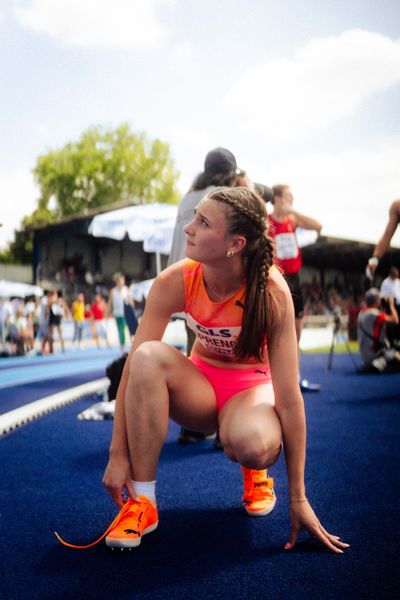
[(340, 348)]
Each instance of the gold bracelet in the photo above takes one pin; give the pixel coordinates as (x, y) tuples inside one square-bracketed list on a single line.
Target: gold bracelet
[(293, 500)]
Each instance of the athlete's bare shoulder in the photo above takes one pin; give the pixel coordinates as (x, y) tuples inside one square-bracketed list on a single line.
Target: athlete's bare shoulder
[(168, 287), (277, 280), (172, 274), (279, 288)]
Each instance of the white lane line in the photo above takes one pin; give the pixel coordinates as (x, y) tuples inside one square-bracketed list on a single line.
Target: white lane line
[(24, 414)]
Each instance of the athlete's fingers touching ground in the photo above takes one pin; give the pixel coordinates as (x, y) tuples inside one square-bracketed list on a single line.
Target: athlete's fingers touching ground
[(294, 532), (334, 538), (329, 541), (303, 517)]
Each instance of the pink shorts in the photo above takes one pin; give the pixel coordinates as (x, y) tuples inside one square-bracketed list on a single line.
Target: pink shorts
[(229, 382)]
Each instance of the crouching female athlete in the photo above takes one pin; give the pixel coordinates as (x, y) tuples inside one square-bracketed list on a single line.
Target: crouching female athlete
[(241, 377)]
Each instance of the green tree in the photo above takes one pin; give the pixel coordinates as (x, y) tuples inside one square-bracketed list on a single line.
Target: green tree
[(106, 167), (19, 251)]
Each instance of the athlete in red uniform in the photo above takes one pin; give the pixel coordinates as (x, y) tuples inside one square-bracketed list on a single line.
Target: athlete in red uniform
[(282, 225)]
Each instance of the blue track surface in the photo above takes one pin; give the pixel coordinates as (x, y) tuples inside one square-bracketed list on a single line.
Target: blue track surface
[(25, 369), (23, 379), (206, 547)]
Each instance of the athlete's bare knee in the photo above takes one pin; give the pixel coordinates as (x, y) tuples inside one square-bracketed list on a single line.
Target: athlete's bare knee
[(148, 357), (273, 455), (254, 451), (230, 453)]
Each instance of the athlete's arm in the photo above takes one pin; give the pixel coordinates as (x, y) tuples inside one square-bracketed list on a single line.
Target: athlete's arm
[(165, 298), (289, 406), (305, 222), (282, 350), (384, 242)]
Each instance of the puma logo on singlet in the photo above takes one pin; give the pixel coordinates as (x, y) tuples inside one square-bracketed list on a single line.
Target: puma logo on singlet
[(238, 303)]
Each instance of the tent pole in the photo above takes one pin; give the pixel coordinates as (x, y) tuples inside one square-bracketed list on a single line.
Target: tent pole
[(158, 263)]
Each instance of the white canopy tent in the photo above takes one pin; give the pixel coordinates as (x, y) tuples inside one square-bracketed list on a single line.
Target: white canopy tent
[(152, 224), (306, 237), (15, 289)]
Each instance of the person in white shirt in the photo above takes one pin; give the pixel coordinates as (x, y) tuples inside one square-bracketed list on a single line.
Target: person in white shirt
[(391, 285), (6, 311), (118, 297)]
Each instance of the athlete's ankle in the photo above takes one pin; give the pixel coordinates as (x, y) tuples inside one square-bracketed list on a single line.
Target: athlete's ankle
[(145, 488)]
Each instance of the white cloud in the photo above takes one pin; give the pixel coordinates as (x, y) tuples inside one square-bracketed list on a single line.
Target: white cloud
[(96, 23), (42, 130), (182, 52), (349, 192), (326, 80), (180, 61), (18, 195)]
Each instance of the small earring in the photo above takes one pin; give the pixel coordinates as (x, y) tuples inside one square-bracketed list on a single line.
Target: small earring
[(229, 254)]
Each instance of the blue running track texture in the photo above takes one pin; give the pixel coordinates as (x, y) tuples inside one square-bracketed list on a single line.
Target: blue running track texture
[(39, 368), (19, 395), (25, 380), (206, 547), (70, 354)]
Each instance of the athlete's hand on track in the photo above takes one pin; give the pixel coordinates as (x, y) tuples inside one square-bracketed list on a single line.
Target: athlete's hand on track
[(117, 476), (303, 517)]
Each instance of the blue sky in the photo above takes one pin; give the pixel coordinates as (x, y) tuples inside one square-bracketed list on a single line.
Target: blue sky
[(305, 93)]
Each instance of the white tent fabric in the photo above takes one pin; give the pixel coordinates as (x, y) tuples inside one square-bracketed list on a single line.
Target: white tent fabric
[(15, 289), (152, 224), (140, 290), (306, 237)]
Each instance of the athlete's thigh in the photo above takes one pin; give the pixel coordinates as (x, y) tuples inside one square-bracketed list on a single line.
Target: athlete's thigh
[(251, 411), (192, 401)]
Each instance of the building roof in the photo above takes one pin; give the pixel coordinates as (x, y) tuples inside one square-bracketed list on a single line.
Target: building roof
[(345, 255), (88, 214)]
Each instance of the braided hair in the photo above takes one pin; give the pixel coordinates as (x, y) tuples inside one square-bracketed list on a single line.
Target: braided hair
[(247, 216)]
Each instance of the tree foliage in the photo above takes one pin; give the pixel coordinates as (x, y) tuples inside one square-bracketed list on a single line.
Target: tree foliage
[(103, 167), (19, 250), (106, 167)]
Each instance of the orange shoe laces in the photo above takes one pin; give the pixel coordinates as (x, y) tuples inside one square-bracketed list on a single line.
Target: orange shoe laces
[(129, 506)]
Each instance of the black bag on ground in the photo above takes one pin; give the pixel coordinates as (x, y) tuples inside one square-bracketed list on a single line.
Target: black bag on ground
[(114, 374)]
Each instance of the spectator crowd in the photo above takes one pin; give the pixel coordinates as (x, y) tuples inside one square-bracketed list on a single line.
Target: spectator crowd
[(35, 325)]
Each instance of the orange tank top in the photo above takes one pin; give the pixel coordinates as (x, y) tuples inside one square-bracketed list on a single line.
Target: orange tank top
[(217, 325)]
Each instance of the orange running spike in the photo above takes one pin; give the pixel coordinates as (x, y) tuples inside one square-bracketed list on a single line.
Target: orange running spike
[(136, 518)]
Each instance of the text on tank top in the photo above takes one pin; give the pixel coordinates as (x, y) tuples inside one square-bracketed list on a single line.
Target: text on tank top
[(216, 325)]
